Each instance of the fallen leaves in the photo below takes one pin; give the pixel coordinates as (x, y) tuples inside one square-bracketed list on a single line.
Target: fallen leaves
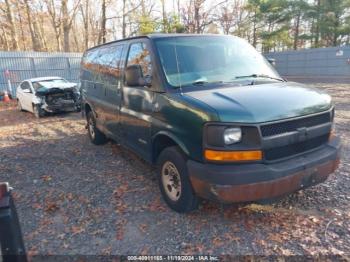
[(218, 242), (157, 205), (77, 230), (275, 237), (46, 178), (120, 226), (143, 228), (51, 206)]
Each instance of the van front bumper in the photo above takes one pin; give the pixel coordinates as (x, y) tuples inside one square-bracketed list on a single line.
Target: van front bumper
[(259, 181)]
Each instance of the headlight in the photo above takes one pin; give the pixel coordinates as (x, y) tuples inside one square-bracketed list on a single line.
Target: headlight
[(232, 135)]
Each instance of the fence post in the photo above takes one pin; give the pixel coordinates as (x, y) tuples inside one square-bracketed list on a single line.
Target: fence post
[(69, 69), (32, 65)]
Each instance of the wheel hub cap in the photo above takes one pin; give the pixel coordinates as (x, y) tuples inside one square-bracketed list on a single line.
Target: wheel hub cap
[(91, 128), (171, 181)]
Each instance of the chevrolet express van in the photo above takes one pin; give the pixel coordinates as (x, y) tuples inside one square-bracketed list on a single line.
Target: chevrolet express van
[(212, 114)]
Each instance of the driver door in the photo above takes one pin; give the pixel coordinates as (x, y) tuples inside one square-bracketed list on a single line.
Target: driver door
[(137, 102), (25, 96)]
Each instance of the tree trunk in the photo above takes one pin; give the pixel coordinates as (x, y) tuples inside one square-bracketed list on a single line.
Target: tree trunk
[(33, 27), (66, 26), (124, 18), (196, 16), (165, 30), (20, 18), (85, 15), (5, 39), (75, 38), (42, 34), (102, 34), (254, 30), (317, 31), (56, 24), (13, 31), (296, 33), (336, 27)]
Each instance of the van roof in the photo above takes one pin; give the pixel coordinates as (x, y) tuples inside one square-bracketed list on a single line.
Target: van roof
[(152, 36)]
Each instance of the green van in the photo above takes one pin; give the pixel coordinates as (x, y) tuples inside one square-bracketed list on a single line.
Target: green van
[(212, 114)]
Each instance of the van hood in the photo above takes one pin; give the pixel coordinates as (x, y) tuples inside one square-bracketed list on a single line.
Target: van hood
[(264, 102)]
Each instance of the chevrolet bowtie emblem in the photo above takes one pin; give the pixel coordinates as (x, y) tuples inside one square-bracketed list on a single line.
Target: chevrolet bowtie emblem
[(302, 134)]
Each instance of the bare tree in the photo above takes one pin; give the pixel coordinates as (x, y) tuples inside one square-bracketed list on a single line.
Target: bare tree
[(85, 15), (13, 31), (33, 28), (231, 16), (19, 7), (102, 34), (55, 21), (67, 20)]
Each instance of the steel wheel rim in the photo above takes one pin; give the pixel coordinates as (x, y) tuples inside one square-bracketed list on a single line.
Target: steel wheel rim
[(171, 181), (91, 128)]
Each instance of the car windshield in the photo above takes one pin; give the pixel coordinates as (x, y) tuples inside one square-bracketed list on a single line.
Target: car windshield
[(49, 83), (198, 60)]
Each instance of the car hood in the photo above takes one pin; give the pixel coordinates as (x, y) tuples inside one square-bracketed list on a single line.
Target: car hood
[(55, 88), (262, 103)]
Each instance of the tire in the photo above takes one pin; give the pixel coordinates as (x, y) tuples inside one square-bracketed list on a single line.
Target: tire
[(180, 197), (95, 135), (38, 112), (19, 105)]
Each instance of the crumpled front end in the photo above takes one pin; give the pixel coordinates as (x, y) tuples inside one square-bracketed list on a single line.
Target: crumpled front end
[(59, 100)]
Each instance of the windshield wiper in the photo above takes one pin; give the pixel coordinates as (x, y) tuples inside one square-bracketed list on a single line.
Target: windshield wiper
[(204, 82), (260, 76), (199, 82)]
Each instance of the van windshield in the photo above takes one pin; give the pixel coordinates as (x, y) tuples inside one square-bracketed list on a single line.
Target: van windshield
[(191, 60)]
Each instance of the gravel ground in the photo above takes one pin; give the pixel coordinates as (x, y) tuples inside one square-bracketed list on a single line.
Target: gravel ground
[(77, 198)]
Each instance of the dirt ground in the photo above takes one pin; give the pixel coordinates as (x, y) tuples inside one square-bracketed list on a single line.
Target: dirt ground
[(77, 198)]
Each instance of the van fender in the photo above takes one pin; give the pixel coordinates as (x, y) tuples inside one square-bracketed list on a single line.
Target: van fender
[(91, 107), (174, 138)]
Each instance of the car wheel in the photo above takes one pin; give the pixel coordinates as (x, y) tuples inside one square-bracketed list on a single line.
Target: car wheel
[(38, 112), (19, 105), (174, 183), (95, 135)]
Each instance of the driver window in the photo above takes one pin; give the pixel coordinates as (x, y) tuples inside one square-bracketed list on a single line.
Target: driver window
[(140, 55)]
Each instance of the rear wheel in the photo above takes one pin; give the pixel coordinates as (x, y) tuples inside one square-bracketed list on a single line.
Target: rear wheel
[(174, 182), (95, 135)]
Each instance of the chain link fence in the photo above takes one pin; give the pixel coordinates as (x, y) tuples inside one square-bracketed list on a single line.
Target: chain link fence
[(322, 65), (18, 66)]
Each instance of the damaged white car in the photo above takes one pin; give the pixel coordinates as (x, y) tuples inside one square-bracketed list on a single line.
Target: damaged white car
[(48, 95)]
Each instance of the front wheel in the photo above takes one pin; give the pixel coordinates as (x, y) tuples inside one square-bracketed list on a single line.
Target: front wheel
[(95, 135), (174, 182), (38, 112)]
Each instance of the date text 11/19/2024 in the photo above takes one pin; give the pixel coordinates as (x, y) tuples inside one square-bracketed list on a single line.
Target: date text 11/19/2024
[(173, 258)]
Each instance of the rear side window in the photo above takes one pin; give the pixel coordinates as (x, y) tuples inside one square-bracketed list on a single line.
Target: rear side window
[(25, 86), (103, 64), (140, 55)]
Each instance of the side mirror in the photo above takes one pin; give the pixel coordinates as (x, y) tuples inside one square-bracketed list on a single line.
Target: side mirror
[(272, 61), (134, 77)]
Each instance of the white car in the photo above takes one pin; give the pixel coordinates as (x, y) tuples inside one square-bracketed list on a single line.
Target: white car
[(47, 94)]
